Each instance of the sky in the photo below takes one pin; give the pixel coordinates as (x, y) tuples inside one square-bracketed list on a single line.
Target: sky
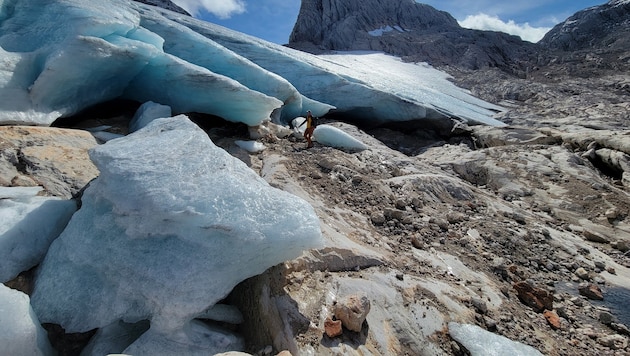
[(273, 20)]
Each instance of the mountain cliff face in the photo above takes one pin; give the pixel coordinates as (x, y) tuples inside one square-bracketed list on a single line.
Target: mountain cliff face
[(404, 28), (165, 4), (596, 27)]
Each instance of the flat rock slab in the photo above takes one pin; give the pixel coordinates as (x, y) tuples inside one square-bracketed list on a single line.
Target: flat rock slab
[(54, 158)]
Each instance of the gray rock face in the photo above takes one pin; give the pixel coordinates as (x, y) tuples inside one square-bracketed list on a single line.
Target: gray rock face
[(165, 4), (595, 27), (417, 32)]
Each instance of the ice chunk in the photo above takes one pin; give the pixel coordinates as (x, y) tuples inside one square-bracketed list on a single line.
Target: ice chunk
[(105, 136), (29, 225), (148, 112), (334, 137), (195, 339), (481, 342), (223, 312), (170, 226), (250, 146), (20, 331), (114, 338)]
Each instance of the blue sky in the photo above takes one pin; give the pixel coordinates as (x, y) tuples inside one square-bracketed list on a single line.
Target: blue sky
[(273, 20)]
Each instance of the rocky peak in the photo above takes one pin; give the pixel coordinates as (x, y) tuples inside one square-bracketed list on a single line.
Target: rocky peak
[(165, 4), (336, 23), (405, 28), (604, 26)]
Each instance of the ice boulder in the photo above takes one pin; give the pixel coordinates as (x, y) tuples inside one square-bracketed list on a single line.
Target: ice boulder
[(334, 137), (148, 112), (481, 342), (29, 225), (250, 146), (166, 231), (20, 332)]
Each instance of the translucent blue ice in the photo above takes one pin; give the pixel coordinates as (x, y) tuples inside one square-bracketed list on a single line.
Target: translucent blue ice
[(334, 137), (58, 57)]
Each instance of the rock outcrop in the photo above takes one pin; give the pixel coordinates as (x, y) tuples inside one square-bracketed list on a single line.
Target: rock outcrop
[(404, 28), (605, 26), (165, 4)]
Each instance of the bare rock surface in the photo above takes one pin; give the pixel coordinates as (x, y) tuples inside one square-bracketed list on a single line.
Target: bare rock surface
[(463, 221), (459, 227), (54, 158), (604, 25)]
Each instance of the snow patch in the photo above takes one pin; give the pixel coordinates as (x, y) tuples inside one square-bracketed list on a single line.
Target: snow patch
[(380, 31), (251, 146), (481, 342)]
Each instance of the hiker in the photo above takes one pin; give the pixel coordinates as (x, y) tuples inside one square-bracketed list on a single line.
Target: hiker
[(310, 127)]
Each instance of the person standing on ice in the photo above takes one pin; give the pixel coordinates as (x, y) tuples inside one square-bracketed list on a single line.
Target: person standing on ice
[(310, 127)]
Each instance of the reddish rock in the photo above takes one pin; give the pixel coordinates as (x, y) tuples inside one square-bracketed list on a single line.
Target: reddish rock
[(352, 311), (553, 319), (536, 298), (332, 327), (591, 291)]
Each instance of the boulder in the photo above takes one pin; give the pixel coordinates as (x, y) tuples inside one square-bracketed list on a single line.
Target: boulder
[(333, 328), (54, 158), (591, 291), (537, 298), (352, 311)]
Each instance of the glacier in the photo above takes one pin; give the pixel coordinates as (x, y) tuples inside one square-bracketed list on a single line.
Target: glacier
[(60, 57), (166, 231)]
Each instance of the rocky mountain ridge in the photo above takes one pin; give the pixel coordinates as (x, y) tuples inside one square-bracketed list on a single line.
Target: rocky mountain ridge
[(599, 27), (165, 4), (419, 33), (404, 28)]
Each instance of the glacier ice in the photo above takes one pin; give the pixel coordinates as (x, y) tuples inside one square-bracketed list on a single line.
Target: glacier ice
[(359, 83), (251, 146), (20, 331), (52, 68), (166, 231), (194, 339), (98, 52), (114, 338), (481, 342), (30, 223), (334, 137), (148, 112), (329, 135)]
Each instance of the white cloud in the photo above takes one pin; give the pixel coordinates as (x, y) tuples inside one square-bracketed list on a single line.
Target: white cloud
[(221, 8), (492, 23)]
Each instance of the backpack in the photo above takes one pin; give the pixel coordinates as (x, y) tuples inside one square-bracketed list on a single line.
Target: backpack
[(315, 121)]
